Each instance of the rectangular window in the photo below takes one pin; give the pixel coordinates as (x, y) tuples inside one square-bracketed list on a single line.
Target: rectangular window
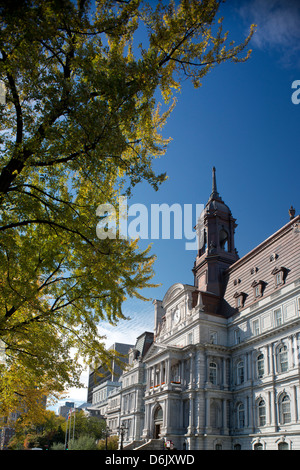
[(237, 336), (260, 366), (278, 317), (255, 326), (262, 415), (213, 373), (278, 279), (286, 412), (190, 338), (213, 337), (240, 373)]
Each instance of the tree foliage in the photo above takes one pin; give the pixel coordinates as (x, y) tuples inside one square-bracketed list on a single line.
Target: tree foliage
[(80, 126), (84, 425), (39, 433), (111, 443)]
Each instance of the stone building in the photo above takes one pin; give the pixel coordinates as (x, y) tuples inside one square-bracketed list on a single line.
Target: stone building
[(126, 405), (103, 381), (223, 369)]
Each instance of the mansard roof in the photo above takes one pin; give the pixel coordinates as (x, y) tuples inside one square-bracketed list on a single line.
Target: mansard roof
[(279, 252)]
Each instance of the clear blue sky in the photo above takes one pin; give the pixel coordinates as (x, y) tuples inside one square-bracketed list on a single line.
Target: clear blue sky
[(243, 122)]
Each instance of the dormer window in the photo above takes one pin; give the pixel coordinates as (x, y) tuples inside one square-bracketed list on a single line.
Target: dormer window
[(258, 287), (279, 276), (240, 298)]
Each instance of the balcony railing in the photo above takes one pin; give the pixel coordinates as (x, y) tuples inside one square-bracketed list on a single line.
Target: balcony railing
[(173, 384)]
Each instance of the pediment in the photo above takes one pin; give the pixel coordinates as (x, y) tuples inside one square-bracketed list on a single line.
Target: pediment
[(174, 291), (155, 349)]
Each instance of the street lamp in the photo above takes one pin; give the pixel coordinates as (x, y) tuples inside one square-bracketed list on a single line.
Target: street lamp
[(122, 430), (107, 431)]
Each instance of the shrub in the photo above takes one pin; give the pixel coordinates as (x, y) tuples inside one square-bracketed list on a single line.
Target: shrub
[(83, 443), (112, 443)]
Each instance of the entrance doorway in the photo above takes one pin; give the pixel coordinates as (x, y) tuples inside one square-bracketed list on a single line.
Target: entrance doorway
[(156, 431), (158, 422)]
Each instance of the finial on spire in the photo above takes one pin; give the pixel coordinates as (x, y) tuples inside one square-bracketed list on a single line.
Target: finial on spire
[(214, 183)]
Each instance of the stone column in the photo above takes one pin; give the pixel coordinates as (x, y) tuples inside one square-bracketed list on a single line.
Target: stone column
[(273, 358), (269, 408), (224, 372), (295, 351), (207, 413), (268, 359), (181, 371), (291, 352), (191, 414), (146, 430), (295, 404), (206, 367), (224, 412), (161, 372), (191, 371)]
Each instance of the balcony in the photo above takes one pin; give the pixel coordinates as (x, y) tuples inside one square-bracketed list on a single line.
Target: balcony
[(175, 386)]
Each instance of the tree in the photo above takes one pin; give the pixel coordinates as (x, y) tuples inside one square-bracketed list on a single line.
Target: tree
[(85, 426), (112, 443), (80, 127), (40, 433), (83, 443)]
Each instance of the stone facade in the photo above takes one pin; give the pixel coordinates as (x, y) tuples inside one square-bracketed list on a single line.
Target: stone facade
[(223, 369)]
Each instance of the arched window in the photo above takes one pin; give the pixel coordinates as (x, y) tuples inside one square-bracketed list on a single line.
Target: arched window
[(237, 447), (283, 446), (213, 373), (261, 413), (282, 358), (285, 409), (158, 415), (240, 415), (223, 237), (258, 446), (260, 364), (240, 373)]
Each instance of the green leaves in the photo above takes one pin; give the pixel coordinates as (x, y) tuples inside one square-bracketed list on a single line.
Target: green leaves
[(81, 126)]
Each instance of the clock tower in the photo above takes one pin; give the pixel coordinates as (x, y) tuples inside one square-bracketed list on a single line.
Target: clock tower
[(216, 251)]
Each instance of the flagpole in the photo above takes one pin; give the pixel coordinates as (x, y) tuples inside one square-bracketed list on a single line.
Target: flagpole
[(70, 412), (66, 437), (74, 424)]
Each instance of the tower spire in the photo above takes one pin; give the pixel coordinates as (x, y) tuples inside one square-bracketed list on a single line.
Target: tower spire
[(214, 192)]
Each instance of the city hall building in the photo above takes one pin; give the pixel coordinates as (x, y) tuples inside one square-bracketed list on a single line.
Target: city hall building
[(221, 368)]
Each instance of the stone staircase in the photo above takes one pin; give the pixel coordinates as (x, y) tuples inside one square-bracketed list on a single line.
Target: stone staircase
[(152, 444), (133, 445)]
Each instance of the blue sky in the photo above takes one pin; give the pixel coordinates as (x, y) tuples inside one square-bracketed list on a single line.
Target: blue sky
[(243, 122)]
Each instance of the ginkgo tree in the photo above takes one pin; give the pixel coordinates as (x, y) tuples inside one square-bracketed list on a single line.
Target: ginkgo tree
[(81, 125)]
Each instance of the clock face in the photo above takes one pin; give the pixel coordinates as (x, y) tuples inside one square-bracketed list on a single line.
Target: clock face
[(176, 316)]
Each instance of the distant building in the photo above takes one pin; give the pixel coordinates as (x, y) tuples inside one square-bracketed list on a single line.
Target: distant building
[(223, 370), (102, 381), (64, 410), (126, 404)]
